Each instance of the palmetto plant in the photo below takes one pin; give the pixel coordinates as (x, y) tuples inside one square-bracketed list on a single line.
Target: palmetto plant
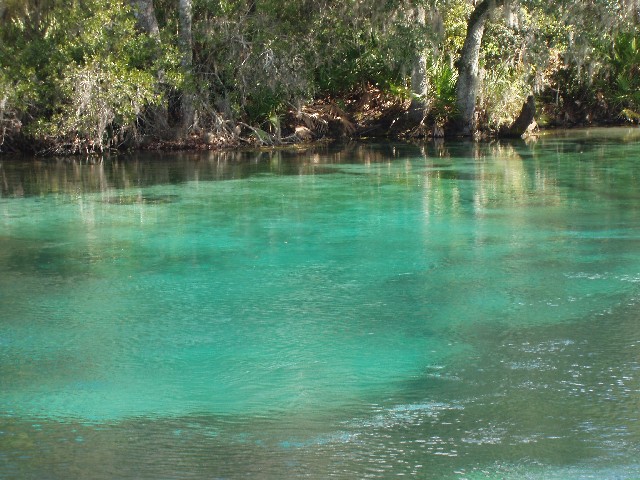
[(442, 79), (625, 72)]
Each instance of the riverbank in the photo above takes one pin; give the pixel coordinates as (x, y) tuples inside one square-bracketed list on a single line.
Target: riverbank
[(362, 114), (370, 113)]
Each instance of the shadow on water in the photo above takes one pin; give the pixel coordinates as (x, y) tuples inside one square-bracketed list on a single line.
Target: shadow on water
[(499, 413), (25, 177), (149, 199)]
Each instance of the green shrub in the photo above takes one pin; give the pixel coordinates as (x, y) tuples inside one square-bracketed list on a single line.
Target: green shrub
[(82, 72)]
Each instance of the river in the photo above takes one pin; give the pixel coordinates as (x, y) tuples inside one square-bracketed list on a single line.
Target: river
[(371, 310)]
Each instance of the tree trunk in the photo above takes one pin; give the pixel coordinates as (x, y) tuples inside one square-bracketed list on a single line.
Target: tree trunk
[(419, 81), (145, 14), (468, 67), (186, 53), (157, 117), (519, 127)]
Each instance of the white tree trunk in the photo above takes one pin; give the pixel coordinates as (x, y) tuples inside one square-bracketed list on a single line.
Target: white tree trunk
[(419, 80), (186, 52)]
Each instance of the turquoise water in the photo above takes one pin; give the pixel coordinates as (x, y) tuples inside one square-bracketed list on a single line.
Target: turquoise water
[(369, 311)]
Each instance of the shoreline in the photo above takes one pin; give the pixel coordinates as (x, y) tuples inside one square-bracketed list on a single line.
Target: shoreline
[(196, 143)]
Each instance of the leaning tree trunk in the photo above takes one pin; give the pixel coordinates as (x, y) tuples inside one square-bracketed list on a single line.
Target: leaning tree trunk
[(468, 82), (186, 53), (520, 126)]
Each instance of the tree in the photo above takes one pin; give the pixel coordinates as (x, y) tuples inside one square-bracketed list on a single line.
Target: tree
[(585, 22), (419, 79), (104, 70), (185, 42), (468, 66)]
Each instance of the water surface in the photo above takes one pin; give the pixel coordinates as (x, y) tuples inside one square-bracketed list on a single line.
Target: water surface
[(370, 311)]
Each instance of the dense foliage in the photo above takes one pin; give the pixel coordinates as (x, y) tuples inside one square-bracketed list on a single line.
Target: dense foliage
[(89, 75)]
